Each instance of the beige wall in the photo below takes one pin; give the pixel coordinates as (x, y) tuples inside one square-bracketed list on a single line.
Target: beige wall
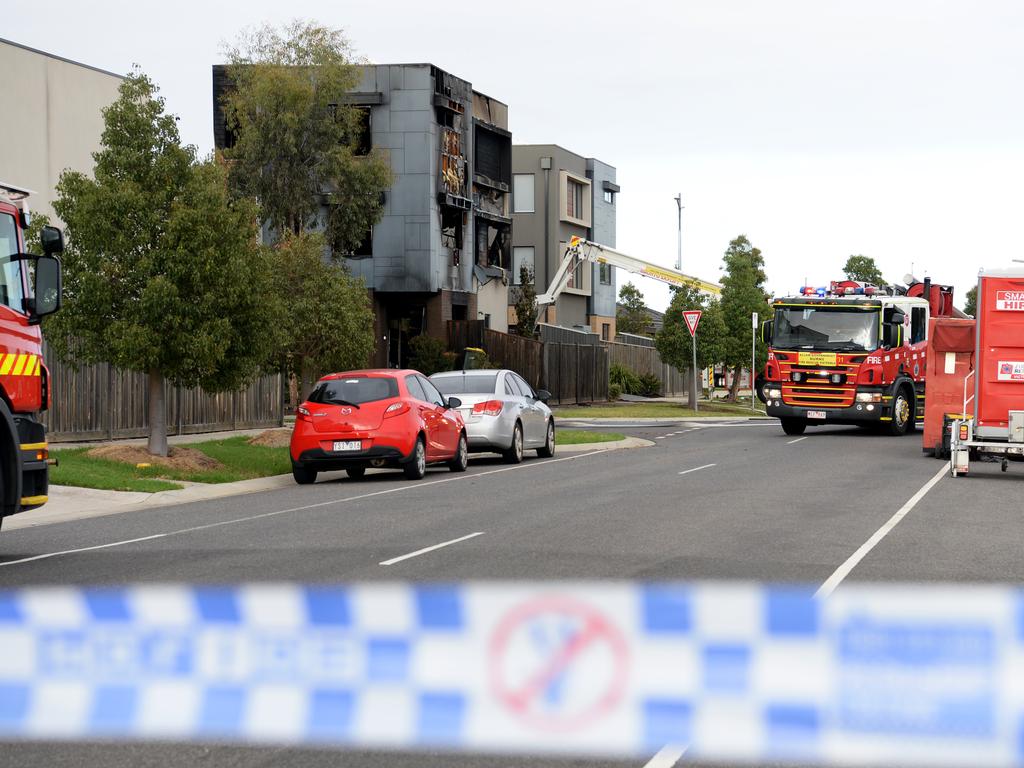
[(53, 119), (492, 299)]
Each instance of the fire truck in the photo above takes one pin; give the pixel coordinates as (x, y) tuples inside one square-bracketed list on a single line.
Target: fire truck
[(852, 353), (30, 288)]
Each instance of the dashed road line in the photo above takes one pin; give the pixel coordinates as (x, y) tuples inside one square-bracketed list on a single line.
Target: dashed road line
[(424, 551), (798, 440), (695, 469)]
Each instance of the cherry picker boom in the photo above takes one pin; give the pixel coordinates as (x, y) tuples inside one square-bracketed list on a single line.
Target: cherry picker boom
[(579, 251)]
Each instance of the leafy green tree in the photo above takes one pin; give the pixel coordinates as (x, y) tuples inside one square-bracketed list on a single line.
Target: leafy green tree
[(674, 343), (429, 355), (162, 273), (863, 268), (971, 302), (526, 303), (328, 321), (33, 243), (632, 316), (743, 294), (297, 139)]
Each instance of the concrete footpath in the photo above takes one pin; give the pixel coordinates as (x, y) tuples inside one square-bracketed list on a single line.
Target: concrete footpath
[(72, 503)]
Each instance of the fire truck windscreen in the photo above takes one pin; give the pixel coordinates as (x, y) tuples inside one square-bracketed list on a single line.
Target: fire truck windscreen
[(826, 328), (11, 292)]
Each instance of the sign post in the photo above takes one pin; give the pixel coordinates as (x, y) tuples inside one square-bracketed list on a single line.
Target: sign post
[(692, 318), (753, 360)]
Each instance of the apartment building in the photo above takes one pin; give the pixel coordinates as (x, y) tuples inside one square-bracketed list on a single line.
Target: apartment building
[(443, 247), (558, 194)]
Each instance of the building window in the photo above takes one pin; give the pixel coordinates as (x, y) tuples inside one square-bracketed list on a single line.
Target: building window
[(605, 273), (522, 193), (521, 257), (606, 331), (574, 199), (609, 197), (576, 276)]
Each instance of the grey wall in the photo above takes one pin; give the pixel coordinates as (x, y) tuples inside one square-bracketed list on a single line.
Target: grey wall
[(602, 231), (528, 228)]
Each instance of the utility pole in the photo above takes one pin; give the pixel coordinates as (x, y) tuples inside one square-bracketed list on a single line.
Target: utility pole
[(753, 360), (679, 239)]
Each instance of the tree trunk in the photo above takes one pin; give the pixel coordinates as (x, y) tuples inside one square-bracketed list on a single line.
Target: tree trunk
[(157, 415), (735, 388), (306, 380)]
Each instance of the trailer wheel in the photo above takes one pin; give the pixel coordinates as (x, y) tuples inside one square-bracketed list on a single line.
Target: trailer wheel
[(902, 414), (793, 426)]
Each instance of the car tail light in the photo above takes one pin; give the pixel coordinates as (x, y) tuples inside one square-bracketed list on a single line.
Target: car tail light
[(488, 408), (303, 413), (395, 409)]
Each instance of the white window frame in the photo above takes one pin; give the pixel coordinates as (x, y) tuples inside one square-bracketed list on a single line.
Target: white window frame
[(518, 207), (517, 263)]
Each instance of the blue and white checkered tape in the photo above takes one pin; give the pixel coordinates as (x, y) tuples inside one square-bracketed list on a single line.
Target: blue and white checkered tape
[(743, 672)]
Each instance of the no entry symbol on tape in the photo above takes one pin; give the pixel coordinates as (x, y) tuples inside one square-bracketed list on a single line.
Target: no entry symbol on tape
[(557, 663)]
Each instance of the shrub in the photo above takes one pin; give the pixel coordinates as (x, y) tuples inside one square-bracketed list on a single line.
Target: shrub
[(650, 385), (614, 391), (428, 355), (626, 380)]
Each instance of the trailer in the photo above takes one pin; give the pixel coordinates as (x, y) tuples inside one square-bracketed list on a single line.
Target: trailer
[(995, 388)]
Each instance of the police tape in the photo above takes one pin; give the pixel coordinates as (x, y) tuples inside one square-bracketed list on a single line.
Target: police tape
[(872, 675)]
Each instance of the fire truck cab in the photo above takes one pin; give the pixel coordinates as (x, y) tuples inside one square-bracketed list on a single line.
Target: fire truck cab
[(850, 354), (30, 288)]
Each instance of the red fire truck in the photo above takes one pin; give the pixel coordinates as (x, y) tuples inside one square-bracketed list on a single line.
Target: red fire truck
[(30, 288), (851, 353)]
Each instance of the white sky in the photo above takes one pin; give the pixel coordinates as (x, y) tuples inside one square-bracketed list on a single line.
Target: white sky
[(818, 128)]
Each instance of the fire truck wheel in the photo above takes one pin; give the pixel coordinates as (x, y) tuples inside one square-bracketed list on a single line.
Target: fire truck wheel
[(902, 414), (794, 426)]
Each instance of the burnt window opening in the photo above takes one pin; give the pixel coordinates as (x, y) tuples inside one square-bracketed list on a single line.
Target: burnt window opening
[(359, 133), (494, 245), (365, 248), (451, 232), (493, 158)]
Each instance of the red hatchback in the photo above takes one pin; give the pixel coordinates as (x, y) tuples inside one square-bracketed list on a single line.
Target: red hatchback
[(377, 418)]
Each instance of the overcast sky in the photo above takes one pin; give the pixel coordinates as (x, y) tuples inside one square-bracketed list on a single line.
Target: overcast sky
[(818, 128)]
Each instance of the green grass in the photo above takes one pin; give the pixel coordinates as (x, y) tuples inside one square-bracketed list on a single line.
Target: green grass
[(582, 437), (656, 411), (77, 469), (241, 462)]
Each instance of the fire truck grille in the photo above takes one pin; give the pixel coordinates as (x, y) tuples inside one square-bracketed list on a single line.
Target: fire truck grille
[(818, 395)]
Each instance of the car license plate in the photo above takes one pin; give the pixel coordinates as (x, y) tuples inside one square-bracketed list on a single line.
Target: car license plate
[(810, 415), (348, 445)]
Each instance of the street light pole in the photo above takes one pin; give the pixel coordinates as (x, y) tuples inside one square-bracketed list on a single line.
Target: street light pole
[(753, 360), (679, 239)]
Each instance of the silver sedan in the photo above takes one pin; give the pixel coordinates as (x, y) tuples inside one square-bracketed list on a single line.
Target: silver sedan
[(503, 413)]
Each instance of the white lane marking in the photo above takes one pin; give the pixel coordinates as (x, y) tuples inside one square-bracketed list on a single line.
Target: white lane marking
[(360, 497), (660, 438), (85, 549), (798, 440), (688, 471), (843, 570), (423, 551), (667, 757)]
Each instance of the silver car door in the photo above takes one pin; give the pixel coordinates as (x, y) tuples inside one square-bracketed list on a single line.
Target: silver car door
[(535, 429)]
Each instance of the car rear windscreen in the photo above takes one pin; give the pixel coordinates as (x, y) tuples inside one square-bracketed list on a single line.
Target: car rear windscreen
[(356, 390), (469, 384)]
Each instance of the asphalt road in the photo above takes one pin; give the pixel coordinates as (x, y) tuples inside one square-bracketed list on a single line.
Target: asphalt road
[(707, 501)]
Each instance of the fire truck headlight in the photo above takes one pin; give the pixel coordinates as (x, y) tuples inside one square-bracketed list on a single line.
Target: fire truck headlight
[(869, 397), (771, 393)]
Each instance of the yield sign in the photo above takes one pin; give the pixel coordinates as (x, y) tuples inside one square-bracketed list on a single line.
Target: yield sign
[(692, 317)]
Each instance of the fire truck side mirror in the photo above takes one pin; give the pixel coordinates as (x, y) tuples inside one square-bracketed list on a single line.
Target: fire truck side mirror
[(52, 240), (892, 331), (767, 331), (47, 294)]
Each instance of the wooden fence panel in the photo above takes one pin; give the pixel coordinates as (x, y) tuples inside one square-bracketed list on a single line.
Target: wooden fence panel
[(100, 402)]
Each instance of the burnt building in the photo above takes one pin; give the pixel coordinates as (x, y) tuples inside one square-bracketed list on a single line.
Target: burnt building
[(442, 249)]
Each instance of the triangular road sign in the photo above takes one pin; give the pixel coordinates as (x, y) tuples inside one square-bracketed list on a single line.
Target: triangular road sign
[(692, 318)]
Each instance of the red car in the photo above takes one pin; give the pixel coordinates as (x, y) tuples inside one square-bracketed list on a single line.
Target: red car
[(377, 418)]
